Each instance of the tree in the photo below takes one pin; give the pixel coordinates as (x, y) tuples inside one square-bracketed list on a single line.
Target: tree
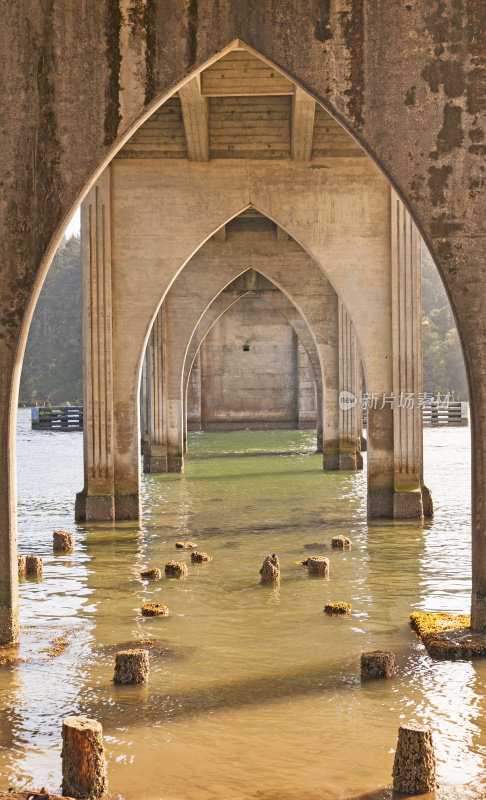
[(53, 356)]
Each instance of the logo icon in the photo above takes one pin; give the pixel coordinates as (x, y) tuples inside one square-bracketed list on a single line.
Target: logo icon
[(347, 401)]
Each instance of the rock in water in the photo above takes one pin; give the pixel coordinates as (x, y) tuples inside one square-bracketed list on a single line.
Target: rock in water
[(270, 570), (185, 545), (131, 666), (414, 766)]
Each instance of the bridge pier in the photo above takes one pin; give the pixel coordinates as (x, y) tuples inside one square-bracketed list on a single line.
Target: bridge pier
[(411, 499), (108, 493)]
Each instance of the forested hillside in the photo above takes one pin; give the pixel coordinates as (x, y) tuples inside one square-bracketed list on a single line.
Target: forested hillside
[(53, 365), (443, 361)]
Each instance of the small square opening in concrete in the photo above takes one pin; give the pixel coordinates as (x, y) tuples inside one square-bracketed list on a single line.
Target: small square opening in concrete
[(246, 347)]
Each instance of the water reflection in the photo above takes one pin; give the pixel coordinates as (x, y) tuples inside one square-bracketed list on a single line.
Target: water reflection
[(244, 676)]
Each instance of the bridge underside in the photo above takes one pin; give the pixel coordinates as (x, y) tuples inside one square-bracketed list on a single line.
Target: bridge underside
[(213, 138)]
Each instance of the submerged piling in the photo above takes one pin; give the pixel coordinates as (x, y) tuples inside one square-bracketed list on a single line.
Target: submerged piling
[(131, 666), (318, 565), (83, 758), (270, 570), (378, 664), (414, 766), (22, 567), (63, 542), (34, 566)]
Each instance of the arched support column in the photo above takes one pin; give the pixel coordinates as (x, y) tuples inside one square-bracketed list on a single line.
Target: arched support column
[(220, 263), (97, 499), (411, 499), (108, 493)]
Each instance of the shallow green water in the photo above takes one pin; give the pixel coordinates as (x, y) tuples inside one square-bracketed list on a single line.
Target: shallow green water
[(253, 692)]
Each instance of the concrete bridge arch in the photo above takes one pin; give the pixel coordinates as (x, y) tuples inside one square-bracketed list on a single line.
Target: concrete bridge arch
[(286, 308), (373, 84)]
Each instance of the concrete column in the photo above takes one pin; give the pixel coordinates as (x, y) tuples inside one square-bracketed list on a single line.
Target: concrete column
[(193, 394), (349, 390), (307, 395), (145, 401), (411, 499), (379, 443), (155, 459), (330, 443), (174, 362), (9, 598), (96, 501)]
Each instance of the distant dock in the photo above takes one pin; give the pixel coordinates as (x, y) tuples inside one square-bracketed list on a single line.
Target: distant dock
[(57, 418)]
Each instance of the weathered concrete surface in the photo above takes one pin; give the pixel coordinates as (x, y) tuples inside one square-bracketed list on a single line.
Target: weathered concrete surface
[(220, 263), (255, 387), (408, 79), (309, 367), (142, 211)]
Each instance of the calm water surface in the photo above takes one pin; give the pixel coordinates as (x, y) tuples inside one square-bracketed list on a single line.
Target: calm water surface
[(253, 692)]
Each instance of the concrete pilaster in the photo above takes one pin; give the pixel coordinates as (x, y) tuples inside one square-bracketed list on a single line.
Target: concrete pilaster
[(155, 458), (97, 501), (145, 393), (175, 349), (411, 499), (9, 598), (349, 393)]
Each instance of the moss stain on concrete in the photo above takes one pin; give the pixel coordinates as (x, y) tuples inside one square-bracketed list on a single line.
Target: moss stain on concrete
[(113, 23), (322, 28), (352, 25), (36, 209)]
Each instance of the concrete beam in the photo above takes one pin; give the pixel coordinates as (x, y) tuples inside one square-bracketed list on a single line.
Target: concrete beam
[(195, 113), (303, 110)]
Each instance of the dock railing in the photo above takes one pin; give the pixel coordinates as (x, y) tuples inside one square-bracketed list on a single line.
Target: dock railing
[(57, 418)]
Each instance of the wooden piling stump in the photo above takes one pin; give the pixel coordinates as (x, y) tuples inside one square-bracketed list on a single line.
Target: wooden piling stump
[(63, 542), (33, 566), (131, 666), (341, 543), (83, 759), (175, 569), (414, 765), (198, 557), (22, 566), (377, 664), (155, 610), (151, 574), (317, 565), (270, 570), (338, 609)]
